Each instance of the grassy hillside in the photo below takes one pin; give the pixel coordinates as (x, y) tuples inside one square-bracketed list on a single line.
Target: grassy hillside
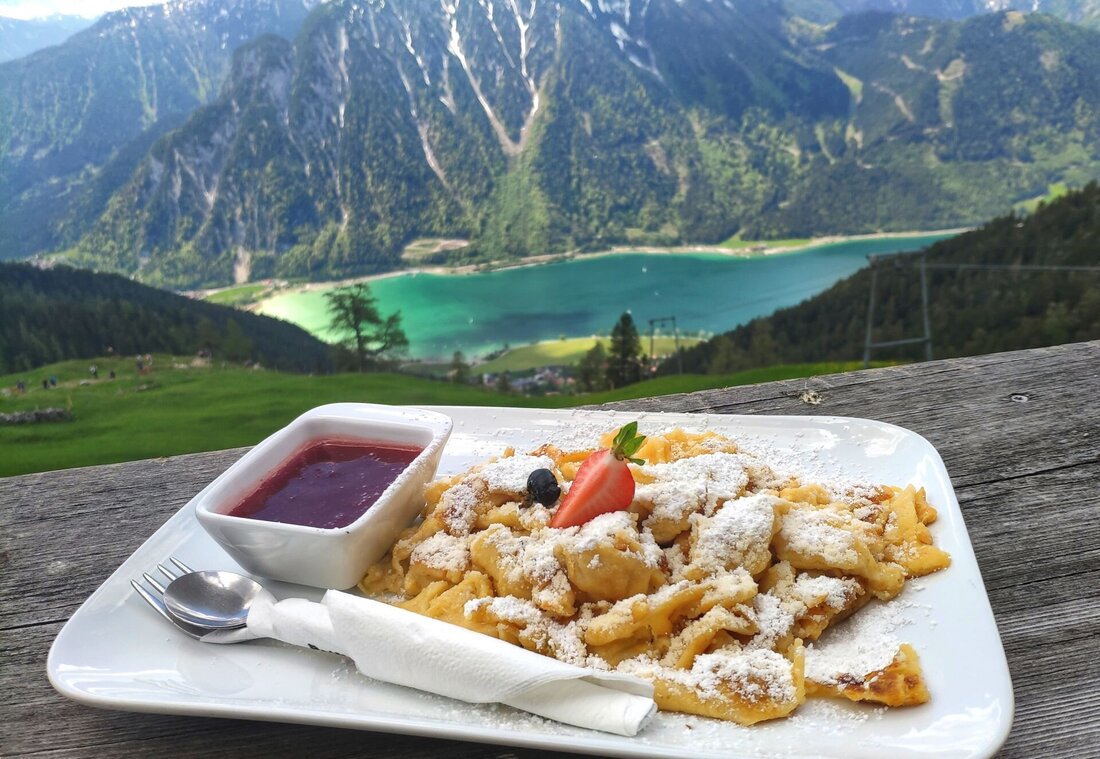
[(565, 352), (183, 407), (238, 296)]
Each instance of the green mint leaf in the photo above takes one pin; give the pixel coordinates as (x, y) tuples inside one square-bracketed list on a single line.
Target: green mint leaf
[(630, 447), (626, 433), (627, 441)]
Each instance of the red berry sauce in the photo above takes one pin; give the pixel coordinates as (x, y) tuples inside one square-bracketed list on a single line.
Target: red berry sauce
[(329, 483)]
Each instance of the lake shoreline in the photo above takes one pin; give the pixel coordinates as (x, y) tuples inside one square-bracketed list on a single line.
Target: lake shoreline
[(758, 250), (530, 301)]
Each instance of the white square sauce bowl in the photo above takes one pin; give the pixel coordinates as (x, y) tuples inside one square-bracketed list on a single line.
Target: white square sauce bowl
[(324, 557)]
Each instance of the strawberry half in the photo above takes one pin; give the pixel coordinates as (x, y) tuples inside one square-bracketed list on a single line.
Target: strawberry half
[(603, 483)]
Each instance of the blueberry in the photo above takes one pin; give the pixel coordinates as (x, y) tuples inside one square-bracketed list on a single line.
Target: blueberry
[(542, 487)]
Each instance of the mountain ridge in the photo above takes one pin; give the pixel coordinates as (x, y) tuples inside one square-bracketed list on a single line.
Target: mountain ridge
[(71, 109), (21, 37), (423, 97), (560, 126)]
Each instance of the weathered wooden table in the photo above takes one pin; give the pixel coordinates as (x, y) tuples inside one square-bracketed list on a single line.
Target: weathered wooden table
[(1019, 432)]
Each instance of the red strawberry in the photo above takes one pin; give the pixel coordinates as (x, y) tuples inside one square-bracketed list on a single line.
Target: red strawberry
[(603, 483)]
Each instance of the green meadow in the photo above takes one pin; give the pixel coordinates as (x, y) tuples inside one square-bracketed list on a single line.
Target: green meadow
[(182, 406), (566, 352), (1054, 191), (736, 243), (238, 296)]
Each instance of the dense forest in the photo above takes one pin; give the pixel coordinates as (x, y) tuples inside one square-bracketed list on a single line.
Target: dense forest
[(48, 315), (971, 310)]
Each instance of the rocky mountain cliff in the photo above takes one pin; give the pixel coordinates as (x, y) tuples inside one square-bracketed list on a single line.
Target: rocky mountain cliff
[(530, 126), (76, 118)]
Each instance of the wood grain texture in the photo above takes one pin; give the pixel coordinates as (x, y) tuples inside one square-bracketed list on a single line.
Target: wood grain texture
[(1025, 472)]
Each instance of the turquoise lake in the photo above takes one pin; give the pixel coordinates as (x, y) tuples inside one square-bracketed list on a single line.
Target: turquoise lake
[(707, 293)]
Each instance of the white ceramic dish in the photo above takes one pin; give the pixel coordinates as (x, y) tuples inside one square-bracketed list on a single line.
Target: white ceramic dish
[(116, 653), (319, 557)]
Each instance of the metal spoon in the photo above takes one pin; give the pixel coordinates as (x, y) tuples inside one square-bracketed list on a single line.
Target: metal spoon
[(211, 599)]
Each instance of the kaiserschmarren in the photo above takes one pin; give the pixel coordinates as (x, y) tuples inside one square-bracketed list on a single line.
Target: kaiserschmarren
[(714, 585)]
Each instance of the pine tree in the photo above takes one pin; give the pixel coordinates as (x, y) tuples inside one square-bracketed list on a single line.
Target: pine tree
[(354, 313), (460, 370), (592, 369), (235, 344), (624, 364)]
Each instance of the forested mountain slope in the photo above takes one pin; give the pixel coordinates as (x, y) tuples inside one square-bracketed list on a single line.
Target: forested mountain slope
[(949, 121), (75, 119), (1086, 12), (524, 127), (556, 126), (527, 128), (972, 311), (49, 315)]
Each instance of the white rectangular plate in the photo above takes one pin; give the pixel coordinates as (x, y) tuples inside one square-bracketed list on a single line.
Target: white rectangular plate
[(116, 653)]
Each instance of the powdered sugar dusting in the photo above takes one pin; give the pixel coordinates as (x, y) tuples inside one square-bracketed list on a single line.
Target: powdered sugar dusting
[(510, 473), (524, 556), (458, 507), (673, 501), (814, 532), (774, 620), (562, 639), (754, 675), (738, 534), (579, 434), (825, 717), (733, 584), (835, 591), (685, 485), (863, 644), (839, 478), (602, 530), (444, 552)]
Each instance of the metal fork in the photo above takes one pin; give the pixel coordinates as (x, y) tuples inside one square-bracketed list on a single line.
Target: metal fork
[(155, 600), (198, 632)]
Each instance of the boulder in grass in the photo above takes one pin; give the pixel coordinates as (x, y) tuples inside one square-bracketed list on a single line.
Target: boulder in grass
[(36, 416)]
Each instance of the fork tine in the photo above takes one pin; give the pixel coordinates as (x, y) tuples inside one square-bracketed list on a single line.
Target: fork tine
[(149, 579), (166, 572), (158, 606), (183, 567), (154, 601)]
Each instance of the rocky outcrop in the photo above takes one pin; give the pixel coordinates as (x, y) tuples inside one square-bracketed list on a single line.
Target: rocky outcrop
[(37, 415)]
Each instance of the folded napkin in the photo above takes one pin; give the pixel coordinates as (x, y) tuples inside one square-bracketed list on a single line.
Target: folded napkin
[(398, 646)]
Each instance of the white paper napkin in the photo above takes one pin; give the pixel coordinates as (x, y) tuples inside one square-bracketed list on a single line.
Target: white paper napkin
[(405, 648)]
